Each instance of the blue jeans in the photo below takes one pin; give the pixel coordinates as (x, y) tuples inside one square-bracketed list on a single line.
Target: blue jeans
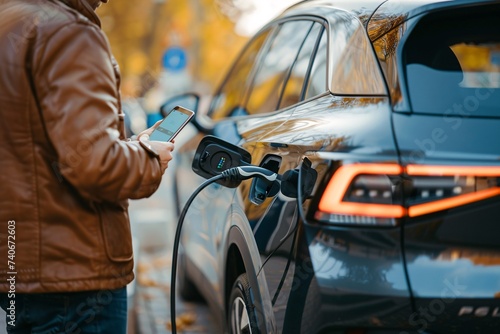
[(86, 312)]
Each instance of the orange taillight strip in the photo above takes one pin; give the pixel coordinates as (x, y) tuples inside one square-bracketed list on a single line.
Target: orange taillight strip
[(332, 199), (448, 203), (480, 171)]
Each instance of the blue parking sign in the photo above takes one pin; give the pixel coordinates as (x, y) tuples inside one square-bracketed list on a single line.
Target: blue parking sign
[(174, 59)]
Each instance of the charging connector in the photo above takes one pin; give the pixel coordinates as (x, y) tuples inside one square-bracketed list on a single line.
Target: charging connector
[(248, 172)]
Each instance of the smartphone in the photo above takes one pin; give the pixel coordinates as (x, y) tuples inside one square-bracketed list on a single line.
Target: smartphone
[(172, 124)]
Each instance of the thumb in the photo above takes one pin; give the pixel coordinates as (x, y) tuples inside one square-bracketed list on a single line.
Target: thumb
[(146, 133)]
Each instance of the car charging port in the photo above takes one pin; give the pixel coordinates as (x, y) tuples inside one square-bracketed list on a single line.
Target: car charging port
[(213, 156)]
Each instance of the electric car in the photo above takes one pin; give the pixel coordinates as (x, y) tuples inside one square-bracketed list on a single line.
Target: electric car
[(382, 121)]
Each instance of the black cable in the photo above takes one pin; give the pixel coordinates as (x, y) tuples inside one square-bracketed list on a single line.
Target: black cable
[(232, 174), (177, 240), (294, 231), (300, 195), (285, 271), (282, 241)]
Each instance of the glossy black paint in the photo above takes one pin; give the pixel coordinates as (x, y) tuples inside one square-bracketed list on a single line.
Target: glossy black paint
[(432, 138), (436, 273)]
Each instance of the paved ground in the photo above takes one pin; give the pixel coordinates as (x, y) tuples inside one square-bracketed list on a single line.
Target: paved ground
[(152, 301)]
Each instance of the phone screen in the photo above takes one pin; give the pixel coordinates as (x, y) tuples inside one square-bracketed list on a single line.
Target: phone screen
[(170, 125)]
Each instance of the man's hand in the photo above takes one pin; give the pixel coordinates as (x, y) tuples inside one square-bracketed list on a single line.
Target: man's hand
[(164, 149)]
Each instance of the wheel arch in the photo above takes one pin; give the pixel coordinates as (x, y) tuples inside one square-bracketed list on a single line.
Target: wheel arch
[(234, 268)]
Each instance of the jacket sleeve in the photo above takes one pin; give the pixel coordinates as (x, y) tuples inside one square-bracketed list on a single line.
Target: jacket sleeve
[(78, 96)]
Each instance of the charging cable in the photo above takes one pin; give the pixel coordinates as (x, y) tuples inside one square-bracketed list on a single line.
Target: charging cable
[(232, 174), (301, 197)]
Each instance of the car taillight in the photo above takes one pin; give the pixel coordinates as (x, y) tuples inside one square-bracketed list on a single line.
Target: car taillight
[(436, 188), (378, 194)]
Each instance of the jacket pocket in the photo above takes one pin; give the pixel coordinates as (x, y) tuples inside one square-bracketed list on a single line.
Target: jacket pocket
[(116, 232)]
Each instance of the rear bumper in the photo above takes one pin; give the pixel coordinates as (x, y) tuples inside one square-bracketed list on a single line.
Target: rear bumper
[(453, 261), (357, 281)]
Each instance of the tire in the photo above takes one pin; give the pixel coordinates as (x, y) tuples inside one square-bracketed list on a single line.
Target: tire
[(186, 288), (241, 311)]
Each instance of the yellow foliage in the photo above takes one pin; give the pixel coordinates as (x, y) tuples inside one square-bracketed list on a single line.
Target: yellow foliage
[(139, 33)]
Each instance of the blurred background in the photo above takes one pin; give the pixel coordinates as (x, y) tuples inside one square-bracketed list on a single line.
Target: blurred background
[(167, 47)]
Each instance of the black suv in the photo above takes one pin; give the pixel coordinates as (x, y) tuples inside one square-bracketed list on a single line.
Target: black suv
[(394, 106)]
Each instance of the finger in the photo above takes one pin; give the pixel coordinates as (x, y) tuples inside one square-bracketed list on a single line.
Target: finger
[(143, 137), (150, 130), (156, 125), (164, 166), (168, 157)]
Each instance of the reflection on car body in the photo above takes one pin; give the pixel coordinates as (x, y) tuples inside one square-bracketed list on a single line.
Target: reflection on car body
[(397, 106)]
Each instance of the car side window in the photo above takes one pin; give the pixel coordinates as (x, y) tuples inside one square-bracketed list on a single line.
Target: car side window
[(317, 81), (231, 94), (295, 84), (275, 66)]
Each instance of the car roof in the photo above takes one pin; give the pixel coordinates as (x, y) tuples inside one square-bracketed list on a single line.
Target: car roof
[(378, 16)]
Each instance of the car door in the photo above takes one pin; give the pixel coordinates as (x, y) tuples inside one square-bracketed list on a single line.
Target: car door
[(281, 81)]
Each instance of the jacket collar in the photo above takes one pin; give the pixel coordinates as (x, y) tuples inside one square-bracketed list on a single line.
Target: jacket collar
[(84, 8)]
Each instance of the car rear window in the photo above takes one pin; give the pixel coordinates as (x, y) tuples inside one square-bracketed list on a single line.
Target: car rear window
[(452, 63)]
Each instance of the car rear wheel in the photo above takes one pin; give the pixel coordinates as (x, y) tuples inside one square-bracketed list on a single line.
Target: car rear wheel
[(242, 318)]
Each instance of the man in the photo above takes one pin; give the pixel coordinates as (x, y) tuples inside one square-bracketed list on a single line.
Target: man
[(66, 172)]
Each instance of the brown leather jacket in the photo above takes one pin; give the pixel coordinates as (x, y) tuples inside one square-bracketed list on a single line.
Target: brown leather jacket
[(65, 171)]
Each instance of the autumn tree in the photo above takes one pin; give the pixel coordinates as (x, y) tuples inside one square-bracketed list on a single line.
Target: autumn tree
[(139, 34)]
